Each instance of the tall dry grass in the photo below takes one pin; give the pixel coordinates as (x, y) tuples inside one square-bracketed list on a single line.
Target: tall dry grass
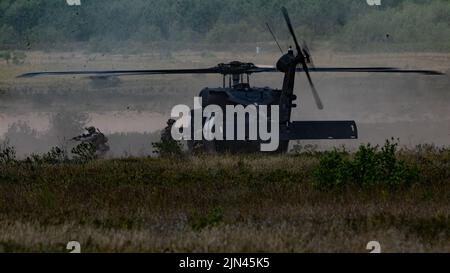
[(219, 204)]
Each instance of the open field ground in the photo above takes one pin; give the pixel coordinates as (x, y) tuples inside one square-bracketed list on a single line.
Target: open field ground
[(220, 204)]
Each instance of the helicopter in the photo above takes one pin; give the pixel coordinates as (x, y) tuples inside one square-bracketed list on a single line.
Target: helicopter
[(236, 90)]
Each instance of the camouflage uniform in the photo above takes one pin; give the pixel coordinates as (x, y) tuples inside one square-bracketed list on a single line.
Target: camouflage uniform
[(95, 138), (167, 146), (166, 135)]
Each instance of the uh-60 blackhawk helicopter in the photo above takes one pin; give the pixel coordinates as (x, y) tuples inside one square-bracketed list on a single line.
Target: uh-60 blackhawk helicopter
[(236, 90)]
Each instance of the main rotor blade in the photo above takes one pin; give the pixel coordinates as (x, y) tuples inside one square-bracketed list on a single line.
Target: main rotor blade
[(216, 70), (213, 70), (352, 70), (291, 30), (370, 70), (302, 59), (274, 37), (307, 54), (313, 88)]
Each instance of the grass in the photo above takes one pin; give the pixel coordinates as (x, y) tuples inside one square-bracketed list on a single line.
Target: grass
[(220, 204)]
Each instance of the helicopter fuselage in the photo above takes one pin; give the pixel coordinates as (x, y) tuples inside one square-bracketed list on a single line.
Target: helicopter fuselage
[(245, 95), (240, 95)]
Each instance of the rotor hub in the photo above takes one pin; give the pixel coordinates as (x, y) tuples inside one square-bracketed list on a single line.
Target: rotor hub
[(235, 68)]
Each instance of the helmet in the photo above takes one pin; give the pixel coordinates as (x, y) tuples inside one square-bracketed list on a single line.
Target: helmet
[(290, 51), (171, 122), (91, 129)]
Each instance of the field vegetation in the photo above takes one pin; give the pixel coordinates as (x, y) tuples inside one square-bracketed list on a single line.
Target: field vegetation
[(306, 201)]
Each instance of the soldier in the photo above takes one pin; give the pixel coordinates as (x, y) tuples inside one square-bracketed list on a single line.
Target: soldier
[(290, 51), (166, 135), (95, 138), (167, 146)]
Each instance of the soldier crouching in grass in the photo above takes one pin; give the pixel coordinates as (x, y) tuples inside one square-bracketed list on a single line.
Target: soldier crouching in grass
[(168, 146), (95, 139)]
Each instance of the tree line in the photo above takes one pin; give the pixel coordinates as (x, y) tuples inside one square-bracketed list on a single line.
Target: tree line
[(345, 24)]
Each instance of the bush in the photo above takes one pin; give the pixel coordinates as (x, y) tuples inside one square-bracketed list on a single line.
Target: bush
[(7, 153), (84, 153), (334, 169), (168, 148), (55, 156), (370, 166)]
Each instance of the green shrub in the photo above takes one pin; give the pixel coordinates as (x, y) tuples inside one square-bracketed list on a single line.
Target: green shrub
[(366, 164), (334, 169), (370, 166)]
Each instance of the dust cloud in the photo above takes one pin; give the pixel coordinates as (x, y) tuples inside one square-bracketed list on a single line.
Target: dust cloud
[(38, 114)]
